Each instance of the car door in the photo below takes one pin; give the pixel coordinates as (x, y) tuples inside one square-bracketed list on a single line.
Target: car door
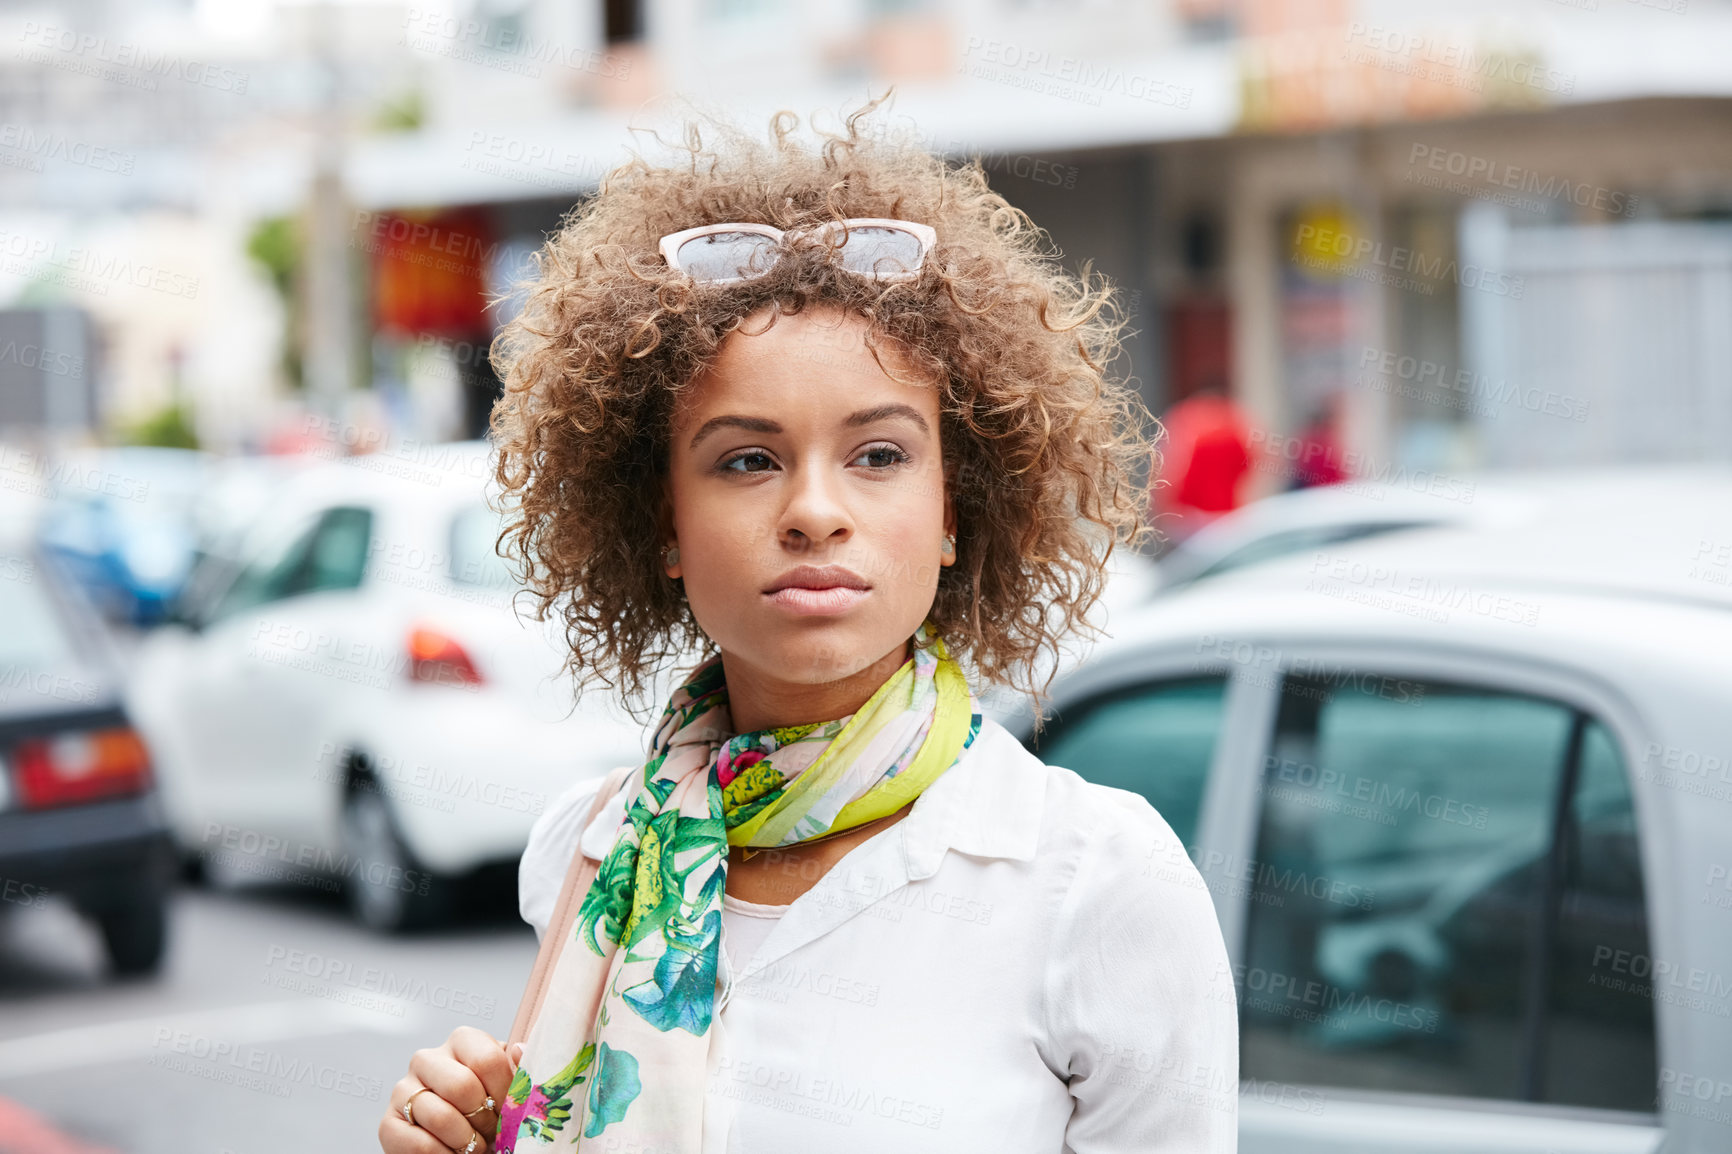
[(1155, 735), (266, 665), (1435, 868), (215, 702)]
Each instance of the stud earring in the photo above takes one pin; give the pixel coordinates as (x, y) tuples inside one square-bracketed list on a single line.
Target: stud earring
[(671, 555), (949, 545)]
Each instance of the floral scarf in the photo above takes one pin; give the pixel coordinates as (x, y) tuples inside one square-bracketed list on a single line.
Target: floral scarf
[(619, 1053)]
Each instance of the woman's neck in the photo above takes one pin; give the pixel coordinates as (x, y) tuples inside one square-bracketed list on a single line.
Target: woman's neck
[(758, 699)]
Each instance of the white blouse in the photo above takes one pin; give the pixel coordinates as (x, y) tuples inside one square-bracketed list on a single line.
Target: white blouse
[(1027, 963), (745, 925)]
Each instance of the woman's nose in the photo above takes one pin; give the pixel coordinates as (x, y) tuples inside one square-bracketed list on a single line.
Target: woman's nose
[(817, 510)]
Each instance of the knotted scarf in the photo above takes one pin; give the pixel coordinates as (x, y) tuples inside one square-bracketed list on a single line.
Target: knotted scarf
[(618, 1057)]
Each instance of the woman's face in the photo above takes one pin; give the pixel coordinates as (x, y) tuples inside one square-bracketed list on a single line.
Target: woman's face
[(796, 451)]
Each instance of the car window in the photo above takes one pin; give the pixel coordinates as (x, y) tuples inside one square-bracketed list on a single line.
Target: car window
[(266, 576), (75, 523), (330, 553), (474, 557), (1156, 739), (1400, 902), (1599, 1031), (337, 554), (1290, 541), (33, 638)]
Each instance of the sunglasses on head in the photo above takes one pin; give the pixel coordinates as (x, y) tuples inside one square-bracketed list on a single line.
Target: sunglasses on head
[(889, 250)]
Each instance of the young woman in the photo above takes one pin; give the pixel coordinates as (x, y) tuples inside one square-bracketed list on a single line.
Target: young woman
[(836, 419)]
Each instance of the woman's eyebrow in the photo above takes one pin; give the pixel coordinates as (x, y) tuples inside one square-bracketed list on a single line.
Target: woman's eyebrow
[(885, 412), (750, 424), (854, 420)]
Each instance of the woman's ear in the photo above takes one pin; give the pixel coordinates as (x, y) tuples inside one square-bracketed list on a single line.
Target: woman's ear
[(948, 556), (667, 544)]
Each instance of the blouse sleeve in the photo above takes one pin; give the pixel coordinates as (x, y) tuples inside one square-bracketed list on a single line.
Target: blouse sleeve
[(1140, 998), (552, 842)]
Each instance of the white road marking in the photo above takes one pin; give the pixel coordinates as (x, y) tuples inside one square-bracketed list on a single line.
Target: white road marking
[(99, 1045)]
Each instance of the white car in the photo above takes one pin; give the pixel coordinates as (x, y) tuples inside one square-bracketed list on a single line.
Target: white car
[(1329, 515), (1463, 800), (356, 702)]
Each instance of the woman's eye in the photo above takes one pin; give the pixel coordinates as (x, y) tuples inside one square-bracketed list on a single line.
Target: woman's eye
[(883, 456), (760, 461)]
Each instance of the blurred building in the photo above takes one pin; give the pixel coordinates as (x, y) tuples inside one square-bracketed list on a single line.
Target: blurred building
[(46, 371), (1463, 234)]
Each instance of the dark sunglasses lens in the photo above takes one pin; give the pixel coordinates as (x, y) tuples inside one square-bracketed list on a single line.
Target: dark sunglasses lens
[(874, 250), (723, 256)]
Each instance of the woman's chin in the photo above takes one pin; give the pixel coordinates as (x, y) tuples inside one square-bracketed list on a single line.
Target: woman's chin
[(817, 651)]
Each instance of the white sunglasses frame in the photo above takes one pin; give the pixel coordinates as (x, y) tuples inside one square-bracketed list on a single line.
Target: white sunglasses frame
[(925, 234)]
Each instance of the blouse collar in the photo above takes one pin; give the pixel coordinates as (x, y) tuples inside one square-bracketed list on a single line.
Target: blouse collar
[(987, 805)]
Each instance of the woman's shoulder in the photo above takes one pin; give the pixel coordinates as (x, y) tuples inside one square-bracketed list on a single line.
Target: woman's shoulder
[(1113, 842), (553, 841), (1076, 815)]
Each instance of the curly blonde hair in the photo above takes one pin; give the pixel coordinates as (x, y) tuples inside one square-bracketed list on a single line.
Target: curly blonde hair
[(1045, 455)]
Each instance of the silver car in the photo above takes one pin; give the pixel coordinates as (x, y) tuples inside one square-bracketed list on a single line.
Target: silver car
[(1463, 800)]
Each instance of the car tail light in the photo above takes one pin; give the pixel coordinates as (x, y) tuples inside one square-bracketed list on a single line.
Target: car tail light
[(435, 657), (83, 766)]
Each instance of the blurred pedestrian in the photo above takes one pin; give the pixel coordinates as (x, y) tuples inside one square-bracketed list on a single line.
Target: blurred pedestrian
[(1318, 460), (1204, 457), (840, 461)]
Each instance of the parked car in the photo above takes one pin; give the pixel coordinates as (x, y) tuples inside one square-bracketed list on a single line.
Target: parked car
[(352, 700), (122, 523), (236, 491), (1329, 515), (79, 815), (1463, 800)]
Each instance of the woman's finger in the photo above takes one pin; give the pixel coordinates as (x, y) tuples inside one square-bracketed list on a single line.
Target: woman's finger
[(437, 1128), (398, 1137), (450, 1083), (484, 1055)]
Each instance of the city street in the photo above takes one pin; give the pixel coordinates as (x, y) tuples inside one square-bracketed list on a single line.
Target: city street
[(1251, 481), (276, 1024)]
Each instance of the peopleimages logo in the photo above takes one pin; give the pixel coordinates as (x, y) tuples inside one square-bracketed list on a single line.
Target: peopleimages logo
[(40, 144), (94, 51), (255, 1068), (266, 855), (1423, 55), (1503, 175), (1309, 1000), (1381, 795), (338, 973), (1268, 878), (1346, 250), (1067, 77), (1432, 375)]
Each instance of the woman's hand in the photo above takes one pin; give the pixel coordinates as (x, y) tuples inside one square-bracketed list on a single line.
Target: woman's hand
[(460, 1076)]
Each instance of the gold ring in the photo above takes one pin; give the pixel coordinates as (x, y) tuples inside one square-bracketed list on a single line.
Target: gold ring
[(474, 1138), (490, 1104), (408, 1115)]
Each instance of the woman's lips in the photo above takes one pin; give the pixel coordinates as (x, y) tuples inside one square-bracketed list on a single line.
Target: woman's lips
[(816, 602)]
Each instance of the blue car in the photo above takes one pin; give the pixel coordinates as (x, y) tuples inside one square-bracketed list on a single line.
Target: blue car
[(121, 523)]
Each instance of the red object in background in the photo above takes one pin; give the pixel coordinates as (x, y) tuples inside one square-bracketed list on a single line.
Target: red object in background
[(23, 1131), (436, 657), (290, 439), (429, 271), (81, 766), (1199, 347), (1204, 456), (1320, 457)]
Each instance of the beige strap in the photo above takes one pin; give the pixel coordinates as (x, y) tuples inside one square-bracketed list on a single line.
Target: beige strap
[(577, 881)]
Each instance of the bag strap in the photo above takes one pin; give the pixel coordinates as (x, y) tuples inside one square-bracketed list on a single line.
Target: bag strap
[(578, 877)]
